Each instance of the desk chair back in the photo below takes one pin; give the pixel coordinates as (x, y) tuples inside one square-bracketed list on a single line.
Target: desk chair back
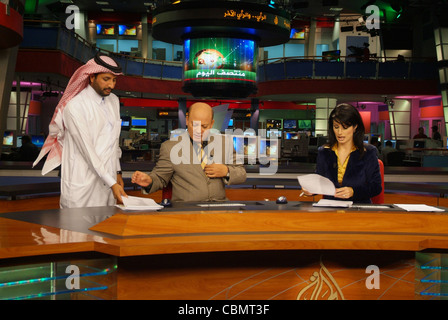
[(380, 198)]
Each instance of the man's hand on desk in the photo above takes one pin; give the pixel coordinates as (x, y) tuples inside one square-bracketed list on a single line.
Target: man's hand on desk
[(141, 178), (118, 192)]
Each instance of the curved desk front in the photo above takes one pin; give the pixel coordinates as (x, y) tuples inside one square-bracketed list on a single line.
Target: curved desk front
[(249, 250)]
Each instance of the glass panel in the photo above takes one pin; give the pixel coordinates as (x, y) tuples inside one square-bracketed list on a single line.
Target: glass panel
[(59, 280), (12, 110), (11, 124), (321, 113), (401, 117), (442, 75), (439, 53), (445, 51)]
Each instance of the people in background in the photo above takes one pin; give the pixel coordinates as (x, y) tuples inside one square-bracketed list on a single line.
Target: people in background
[(191, 180), (27, 152), (349, 163), (435, 133), (375, 143), (421, 134), (83, 137), (366, 52), (388, 148)]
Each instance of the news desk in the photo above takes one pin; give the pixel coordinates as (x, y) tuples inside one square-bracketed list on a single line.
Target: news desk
[(254, 250)]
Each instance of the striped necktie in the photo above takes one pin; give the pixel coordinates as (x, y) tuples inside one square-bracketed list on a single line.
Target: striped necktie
[(202, 156)]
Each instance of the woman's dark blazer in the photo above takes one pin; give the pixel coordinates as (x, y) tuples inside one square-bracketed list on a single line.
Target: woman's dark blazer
[(362, 174)]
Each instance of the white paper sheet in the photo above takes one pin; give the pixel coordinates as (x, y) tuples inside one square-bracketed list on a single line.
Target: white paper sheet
[(333, 203), (139, 203), (317, 184), (419, 207)]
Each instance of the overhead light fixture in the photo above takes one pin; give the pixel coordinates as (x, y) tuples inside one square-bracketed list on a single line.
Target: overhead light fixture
[(102, 3), (107, 9)]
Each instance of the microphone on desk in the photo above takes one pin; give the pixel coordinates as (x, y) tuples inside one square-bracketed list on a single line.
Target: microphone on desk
[(166, 203), (281, 200)]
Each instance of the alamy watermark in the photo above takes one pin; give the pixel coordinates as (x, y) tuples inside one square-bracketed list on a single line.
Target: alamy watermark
[(373, 20), (373, 280), (232, 147), (73, 21), (72, 281)]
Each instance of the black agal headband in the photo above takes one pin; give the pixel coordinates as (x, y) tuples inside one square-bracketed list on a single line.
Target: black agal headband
[(101, 62)]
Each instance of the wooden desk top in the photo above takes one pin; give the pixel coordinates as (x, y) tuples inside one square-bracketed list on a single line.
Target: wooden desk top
[(295, 226)]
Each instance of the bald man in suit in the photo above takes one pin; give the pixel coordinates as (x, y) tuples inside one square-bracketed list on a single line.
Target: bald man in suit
[(181, 162)]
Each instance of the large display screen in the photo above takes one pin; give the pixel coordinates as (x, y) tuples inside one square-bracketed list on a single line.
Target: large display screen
[(105, 29), (219, 61), (126, 30)]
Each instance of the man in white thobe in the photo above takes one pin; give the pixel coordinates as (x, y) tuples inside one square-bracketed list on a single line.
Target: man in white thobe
[(84, 138)]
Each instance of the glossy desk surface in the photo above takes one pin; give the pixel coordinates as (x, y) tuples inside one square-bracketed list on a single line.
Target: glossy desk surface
[(185, 228)]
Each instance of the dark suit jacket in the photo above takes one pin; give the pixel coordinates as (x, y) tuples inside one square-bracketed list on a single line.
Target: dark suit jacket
[(362, 174), (188, 179)]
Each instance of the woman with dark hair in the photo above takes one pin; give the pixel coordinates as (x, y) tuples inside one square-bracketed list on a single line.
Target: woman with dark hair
[(349, 163)]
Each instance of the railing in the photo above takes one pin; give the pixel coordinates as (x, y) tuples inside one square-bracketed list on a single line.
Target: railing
[(57, 37), (347, 68)]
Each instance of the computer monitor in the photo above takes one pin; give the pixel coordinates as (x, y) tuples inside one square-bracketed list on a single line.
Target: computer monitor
[(445, 142), (289, 124), (274, 124), (274, 134), (245, 145), (230, 123), (292, 135), (268, 148), (305, 124), (419, 144), (394, 143), (272, 148), (8, 138), (138, 122), (378, 136), (38, 140), (238, 144), (250, 147), (366, 138)]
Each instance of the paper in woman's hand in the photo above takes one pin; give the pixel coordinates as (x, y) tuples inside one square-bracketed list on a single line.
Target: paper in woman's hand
[(317, 184)]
